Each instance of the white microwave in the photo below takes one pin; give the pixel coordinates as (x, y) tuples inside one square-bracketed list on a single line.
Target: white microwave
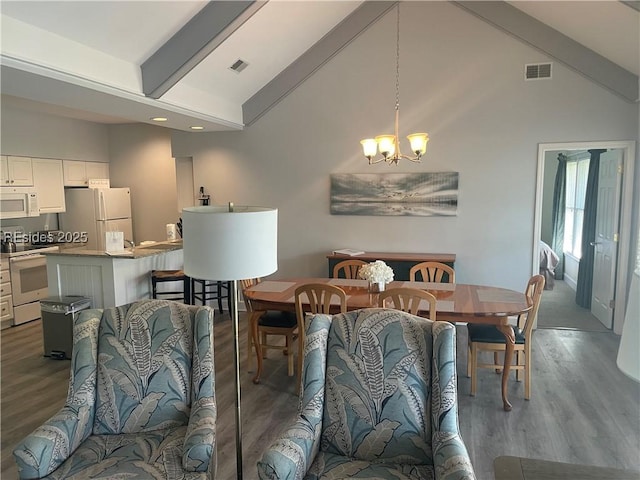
[(18, 202)]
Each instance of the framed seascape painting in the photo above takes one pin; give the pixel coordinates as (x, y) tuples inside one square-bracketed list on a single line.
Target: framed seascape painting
[(401, 194)]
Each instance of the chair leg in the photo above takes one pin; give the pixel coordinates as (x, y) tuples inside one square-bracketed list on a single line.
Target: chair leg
[(469, 360), (229, 288), (219, 289), (289, 351), (527, 372), (263, 341), (519, 361), (474, 368), (496, 361)]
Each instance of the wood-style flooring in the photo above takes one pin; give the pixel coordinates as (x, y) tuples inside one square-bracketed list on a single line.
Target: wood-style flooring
[(583, 409)]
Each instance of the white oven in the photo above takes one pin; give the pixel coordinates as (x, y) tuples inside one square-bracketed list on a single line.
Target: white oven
[(28, 271)]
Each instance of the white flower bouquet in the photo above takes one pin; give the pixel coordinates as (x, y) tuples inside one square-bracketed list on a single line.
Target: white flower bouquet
[(376, 272)]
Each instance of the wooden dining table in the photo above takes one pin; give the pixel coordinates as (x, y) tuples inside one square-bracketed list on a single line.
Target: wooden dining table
[(455, 302)]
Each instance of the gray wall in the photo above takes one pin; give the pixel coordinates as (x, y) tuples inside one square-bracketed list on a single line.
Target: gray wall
[(141, 159), (462, 82), (36, 134)]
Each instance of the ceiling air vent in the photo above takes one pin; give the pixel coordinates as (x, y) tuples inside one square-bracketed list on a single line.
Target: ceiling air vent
[(537, 71), (238, 66)]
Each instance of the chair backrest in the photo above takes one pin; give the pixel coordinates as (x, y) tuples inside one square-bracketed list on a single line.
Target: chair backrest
[(535, 287), (411, 300), (318, 298), (149, 353), (348, 268), (432, 272), (248, 283), (379, 392)]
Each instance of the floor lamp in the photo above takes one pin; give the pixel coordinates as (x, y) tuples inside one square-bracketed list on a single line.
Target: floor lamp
[(231, 243)]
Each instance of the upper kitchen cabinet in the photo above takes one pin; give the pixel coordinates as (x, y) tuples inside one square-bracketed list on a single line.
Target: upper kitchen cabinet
[(77, 173), (48, 178), (16, 171)]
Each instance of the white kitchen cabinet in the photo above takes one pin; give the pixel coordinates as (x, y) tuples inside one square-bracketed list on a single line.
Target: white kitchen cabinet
[(77, 173), (6, 302), (48, 180), (16, 171)]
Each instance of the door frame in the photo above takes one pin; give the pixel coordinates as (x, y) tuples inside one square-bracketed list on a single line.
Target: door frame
[(626, 206)]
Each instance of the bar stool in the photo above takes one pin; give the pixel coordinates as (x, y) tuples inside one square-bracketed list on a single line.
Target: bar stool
[(211, 290), (162, 276)]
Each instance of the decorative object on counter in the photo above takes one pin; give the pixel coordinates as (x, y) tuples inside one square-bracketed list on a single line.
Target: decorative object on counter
[(421, 194), (389, 145), (378, 274), (203, 197), (179, 226), (172, 232), (233, 243)]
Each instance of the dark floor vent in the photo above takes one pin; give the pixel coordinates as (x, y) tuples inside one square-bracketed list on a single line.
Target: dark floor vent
[(537, 71), (239, 65)]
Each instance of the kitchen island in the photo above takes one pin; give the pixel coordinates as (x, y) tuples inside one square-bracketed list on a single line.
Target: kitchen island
[(110, 279)]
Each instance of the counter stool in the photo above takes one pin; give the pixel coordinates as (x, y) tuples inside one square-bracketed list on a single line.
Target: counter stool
[(211, 290), (161, 276)]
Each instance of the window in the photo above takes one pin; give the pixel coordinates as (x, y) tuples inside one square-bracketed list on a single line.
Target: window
[(577, 173)]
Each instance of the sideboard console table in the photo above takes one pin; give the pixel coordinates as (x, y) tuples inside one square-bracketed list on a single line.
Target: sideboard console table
[(401, 263)]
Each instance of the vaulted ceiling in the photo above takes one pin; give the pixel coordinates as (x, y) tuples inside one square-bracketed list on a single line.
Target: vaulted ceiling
[(129, 61)]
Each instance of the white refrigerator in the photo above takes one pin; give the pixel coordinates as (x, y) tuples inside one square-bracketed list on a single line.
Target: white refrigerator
[(97, 211)]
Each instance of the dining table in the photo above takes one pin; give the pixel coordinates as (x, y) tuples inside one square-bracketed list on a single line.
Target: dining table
[(455, 302)]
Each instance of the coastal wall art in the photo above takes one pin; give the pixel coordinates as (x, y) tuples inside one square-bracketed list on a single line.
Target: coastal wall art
[(399, 194)]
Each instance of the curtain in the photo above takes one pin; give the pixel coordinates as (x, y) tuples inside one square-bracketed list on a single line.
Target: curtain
[(585, 269), (557, 218)]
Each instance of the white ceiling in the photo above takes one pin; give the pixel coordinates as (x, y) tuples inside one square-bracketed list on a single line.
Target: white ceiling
[(82, 58)]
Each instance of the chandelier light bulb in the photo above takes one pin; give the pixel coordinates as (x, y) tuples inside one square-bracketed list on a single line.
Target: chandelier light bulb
[(418, 143), (369, 147)]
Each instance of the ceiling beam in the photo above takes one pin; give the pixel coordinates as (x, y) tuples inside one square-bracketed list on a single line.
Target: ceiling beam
[(635, 4), (310, 61), (199, 37), (557, 45)]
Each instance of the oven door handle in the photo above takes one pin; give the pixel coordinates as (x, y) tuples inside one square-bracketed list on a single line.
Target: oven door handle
[(26, 258)]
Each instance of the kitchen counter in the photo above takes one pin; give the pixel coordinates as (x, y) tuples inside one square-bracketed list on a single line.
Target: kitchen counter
[(110, 279), (139, 251)]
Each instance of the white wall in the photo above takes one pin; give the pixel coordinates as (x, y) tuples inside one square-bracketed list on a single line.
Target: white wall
[(36, 134), (462, 82), (141, 159)]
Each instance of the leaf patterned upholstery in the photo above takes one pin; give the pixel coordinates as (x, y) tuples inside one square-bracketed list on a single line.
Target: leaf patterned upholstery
[(141, 398), (378, 401)]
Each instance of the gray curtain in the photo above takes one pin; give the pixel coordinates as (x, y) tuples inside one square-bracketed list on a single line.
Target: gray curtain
[(585, 270), (557, 218)]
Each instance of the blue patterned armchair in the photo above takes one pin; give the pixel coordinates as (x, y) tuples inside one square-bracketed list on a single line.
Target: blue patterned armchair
[(378, 402), (141, 398)]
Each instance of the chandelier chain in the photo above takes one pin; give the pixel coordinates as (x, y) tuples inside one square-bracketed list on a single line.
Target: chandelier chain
[(397, 55)]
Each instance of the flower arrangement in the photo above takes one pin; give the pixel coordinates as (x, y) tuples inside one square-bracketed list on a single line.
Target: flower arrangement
[(376, 272)]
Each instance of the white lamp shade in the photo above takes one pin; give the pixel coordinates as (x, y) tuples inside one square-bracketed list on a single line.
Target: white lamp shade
[(629, 351), (223, 245), (386, 144)]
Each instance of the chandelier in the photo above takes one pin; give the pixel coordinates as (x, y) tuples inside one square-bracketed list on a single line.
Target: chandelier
[(389, 145)]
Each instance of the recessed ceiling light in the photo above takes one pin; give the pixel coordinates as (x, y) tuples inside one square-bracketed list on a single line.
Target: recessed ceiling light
[(159, 119), (196, 127)]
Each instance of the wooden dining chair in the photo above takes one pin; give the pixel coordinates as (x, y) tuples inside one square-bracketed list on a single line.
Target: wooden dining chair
[(316, 298), (432, 272), (489, 338), (272, 322), (408, 300), (348, 268)]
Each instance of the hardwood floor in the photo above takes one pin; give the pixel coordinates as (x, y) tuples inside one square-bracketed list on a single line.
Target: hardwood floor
[(582, 410)]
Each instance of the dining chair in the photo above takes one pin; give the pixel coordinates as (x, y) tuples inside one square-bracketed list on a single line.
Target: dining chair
[(379, 401), (348, 268), (489, 338), (408, 300), (432, 272), (272, 322), (315, 298)]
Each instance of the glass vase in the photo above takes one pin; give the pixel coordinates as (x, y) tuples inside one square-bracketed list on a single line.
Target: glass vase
[(376, 287)]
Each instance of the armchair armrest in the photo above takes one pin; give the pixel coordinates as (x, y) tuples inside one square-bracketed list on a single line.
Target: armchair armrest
[(292, 453), (450, 457), (199, 443), (52, 443)]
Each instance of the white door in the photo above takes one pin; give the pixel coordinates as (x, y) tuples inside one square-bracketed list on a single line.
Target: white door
[(606, 238), (113, 203)]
